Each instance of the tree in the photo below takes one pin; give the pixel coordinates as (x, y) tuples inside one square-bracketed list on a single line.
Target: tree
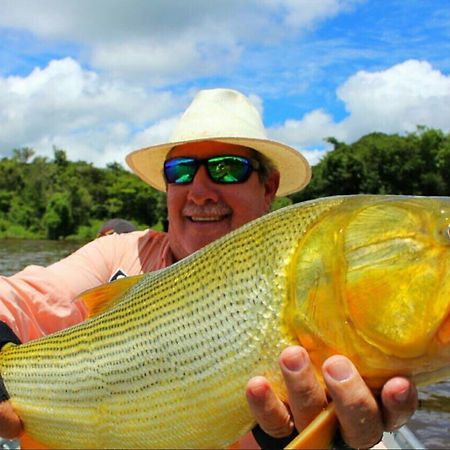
[(60, 157), (415, 164), (58, 218), (55, 198), (23, 155)]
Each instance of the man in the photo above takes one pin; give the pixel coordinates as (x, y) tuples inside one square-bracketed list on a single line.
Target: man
[(220, 171)]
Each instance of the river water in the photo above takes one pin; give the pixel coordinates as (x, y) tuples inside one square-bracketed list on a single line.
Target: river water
[(431, 423), (15, 254)]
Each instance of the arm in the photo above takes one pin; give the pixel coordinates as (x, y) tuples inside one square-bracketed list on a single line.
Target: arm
[(40, 300), (361, 417)]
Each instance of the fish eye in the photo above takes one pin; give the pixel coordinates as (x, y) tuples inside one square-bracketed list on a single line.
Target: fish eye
[(446, 233)]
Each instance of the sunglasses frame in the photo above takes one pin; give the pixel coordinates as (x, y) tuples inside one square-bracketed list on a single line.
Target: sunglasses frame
[(251, 165)]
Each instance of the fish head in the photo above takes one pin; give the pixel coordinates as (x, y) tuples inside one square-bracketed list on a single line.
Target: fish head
[(371, 280)]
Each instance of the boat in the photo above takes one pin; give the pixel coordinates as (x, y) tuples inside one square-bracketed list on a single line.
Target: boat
[(403, 438)]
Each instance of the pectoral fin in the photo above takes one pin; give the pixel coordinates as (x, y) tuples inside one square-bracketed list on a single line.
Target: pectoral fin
[(319, 433), (104, 297)]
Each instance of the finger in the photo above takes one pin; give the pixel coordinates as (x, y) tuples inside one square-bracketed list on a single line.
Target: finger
[(356, 408), (306, 396), (399, 402), (270, 412), (10, 423)]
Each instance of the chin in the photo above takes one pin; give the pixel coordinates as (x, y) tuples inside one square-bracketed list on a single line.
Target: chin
[(203, 243)]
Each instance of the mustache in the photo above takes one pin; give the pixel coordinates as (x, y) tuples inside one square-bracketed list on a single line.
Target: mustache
[(219, 209)]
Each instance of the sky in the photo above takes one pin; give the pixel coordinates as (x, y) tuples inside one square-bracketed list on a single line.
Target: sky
[(100, 78)]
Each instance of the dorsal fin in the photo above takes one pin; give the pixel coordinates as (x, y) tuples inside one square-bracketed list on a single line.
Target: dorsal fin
[(104, 297)]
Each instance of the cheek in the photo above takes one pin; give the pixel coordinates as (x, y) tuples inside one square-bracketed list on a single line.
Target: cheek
[(175, 202), (249, 212), (248, 207)]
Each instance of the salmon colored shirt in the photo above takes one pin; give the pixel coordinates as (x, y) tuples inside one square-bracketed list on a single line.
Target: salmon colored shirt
[(41, 300)]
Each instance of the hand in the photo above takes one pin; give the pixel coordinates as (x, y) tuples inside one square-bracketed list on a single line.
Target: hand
[(10, 424), (361, 418)]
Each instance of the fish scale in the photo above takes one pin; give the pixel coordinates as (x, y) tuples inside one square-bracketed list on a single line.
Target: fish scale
[(166, 366)]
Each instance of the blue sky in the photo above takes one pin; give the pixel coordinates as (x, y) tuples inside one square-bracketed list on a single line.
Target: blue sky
[(102, 77)]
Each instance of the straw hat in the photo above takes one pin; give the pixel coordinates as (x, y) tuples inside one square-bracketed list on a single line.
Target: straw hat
[(223, 115)]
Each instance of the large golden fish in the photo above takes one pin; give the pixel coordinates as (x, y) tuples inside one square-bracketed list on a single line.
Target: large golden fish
[(165, 360)]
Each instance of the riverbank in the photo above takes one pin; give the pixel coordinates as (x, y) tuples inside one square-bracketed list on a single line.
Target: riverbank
[(84, 232)]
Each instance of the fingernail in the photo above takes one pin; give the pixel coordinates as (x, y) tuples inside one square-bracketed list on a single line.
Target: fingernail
[(258, 389), (293, 359), (402, 395), (340, 370)]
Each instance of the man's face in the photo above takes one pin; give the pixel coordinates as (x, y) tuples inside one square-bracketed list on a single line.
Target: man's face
[(202, 211)]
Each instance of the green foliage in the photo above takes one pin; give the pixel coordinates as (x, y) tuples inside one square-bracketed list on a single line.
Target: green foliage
[(21, 213), (87, 232), (415, 164), (65, 199), (60, 198), (22, 155), (58, 218), (16, 231)]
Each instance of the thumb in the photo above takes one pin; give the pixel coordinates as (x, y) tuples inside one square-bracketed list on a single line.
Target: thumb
[(10, 424)]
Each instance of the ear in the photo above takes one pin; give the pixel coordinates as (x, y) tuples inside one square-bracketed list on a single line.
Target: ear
[(271, 185)]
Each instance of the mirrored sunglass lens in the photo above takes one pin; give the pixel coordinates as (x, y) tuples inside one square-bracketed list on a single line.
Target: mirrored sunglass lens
[(229, 169), (180, 170)]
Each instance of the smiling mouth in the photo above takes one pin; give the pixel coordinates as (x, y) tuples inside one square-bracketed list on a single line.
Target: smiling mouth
[(207, 219)]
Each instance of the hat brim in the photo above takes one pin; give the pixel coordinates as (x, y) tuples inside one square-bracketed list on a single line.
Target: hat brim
[(295, 172)]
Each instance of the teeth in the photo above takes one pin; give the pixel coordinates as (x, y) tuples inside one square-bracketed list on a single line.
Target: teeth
[(205, 219)]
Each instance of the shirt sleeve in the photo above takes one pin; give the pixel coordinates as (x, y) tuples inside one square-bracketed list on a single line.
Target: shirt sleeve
[(41, 300)]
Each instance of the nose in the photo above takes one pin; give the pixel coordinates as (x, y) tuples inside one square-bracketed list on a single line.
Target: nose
[(202, 189)]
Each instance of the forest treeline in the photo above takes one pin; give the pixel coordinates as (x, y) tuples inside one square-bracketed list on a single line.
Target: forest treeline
[(57, 198), (415, 164)]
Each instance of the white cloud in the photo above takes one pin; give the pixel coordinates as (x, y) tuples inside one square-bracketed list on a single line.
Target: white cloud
[(157, 133), (257, 102), (72, 108), (161, 41), (311, 130), (306, 13), (100, 120), (397, 99), (394, 100), (161, 63), (100, 20)]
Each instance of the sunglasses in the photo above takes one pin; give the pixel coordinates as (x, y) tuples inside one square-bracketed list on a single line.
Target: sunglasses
[(224, 169)]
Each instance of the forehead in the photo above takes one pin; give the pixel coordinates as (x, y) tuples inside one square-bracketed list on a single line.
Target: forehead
[(205, 149)]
